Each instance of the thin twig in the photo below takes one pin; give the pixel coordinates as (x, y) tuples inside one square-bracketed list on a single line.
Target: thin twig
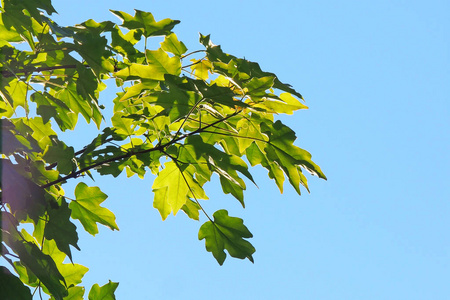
[(193, 64), (190, 189), (197, 51)]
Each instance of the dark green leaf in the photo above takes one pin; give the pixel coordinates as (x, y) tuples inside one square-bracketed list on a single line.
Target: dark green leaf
[(252, 69), (228, 233), (11, 287), (256, 156), (23, 196), (62, 155), (52, 107), (93, 50), (158, 64), (42, 266), (177, 101), (224, 165), (61, 229), (146, 22), (259, 86)]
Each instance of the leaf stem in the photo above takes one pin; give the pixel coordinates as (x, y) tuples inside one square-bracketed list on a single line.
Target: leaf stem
[(189, 187)]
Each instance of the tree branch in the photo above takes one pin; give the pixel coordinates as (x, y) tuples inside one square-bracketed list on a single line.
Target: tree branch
[(130, 154), (6, 73)]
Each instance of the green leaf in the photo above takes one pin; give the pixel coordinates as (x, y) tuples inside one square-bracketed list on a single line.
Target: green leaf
[(218, 94), (51, 107), (258, 86), (226, 232), (177, 184), (75, 293), (161, 202), (60, 229), (105, 292), (201, 68), (12, 287), (13, 141), (138, 88), (225, 165), (23, 196), (87, 83), (14, 92), (243, 66), (87, 209), (41, 131), (286, 104), (42, 266), (9, 34), (25, 274), (146, 22), (288, 156), (62, 155), (256, 156), (72, 272), (123, 125), (191, 209), (178, 100), (173, 45), (249, 131), (162, 63), (92, 48), (124, 43), (158, 64)]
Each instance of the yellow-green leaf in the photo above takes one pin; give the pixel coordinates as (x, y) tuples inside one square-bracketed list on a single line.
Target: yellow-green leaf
[(173, 45), (87, 209), (179, 183), (159, 64), (105, 292)]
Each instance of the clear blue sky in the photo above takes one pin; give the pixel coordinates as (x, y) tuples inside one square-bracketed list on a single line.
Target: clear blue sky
[(376, 76)]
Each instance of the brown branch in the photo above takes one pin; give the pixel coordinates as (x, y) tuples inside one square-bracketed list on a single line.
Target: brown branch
[(130, 154), (7, 73)]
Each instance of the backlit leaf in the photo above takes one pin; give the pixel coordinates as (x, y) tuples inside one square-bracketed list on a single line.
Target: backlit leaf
[(159, 64), (287, 104), (179, 182), (191, 209), (105, 292), (201, 68), (75, 293), (173, 45), (162, 63), (87, 209)]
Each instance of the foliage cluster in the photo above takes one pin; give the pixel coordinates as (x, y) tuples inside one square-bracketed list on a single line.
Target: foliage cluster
[(181, 115)]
